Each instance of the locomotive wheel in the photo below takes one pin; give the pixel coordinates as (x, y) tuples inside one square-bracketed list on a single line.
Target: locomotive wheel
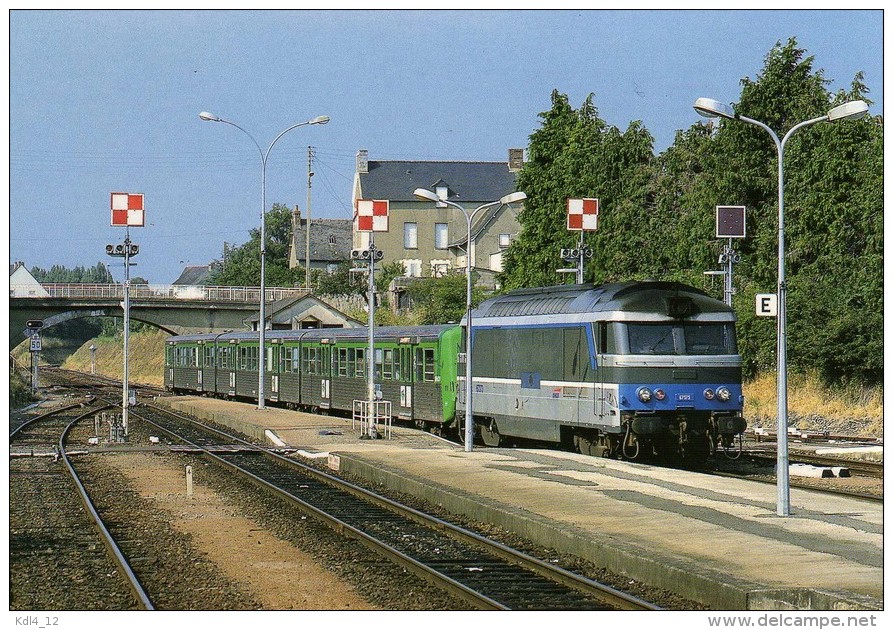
[(594, 445), (585, 444), (490, 434)]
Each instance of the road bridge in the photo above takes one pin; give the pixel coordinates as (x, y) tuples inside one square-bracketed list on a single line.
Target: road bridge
[(176, 309)]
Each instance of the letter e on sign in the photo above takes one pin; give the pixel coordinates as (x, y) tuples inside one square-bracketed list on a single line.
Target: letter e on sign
[(767, 305)]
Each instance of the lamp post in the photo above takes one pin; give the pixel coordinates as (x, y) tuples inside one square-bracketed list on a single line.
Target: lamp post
[(427, 195), (319, 120), (852, 110)]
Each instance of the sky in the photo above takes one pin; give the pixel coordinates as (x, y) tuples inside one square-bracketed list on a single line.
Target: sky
[(108, 101)]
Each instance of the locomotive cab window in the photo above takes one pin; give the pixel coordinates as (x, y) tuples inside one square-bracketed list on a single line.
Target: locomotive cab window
[(681, 338)]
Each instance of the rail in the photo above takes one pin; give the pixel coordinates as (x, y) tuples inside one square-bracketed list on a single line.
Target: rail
[(154, 292)]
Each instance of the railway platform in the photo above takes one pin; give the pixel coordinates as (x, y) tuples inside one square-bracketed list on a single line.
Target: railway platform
[(710, 539)]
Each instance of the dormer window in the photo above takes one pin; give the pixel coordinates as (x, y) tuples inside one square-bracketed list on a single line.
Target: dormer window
[(443, 192)]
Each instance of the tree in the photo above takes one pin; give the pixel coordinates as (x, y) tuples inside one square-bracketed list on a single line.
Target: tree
[(442, 300), (98, 274), (577, 154), (338, 282), (833, 217), (242, 267)]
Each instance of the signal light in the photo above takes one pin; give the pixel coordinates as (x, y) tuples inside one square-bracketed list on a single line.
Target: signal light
[(110, 250)]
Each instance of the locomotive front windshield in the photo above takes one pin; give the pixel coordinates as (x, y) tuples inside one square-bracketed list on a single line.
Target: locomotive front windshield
[(681, 338)]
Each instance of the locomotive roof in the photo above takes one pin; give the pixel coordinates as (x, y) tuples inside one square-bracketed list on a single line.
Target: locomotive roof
[(650, 300), (311, 334)]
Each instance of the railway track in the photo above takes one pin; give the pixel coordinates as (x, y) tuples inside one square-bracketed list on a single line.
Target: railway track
[(56, 534), (483, 573)]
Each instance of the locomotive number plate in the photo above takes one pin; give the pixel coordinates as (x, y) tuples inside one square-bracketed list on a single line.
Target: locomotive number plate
[(684, 397)]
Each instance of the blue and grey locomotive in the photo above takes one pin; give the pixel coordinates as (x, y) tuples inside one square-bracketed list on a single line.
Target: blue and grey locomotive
[(634, 370)]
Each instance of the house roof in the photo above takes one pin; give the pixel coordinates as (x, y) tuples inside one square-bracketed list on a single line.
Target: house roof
[(469, 182), (285, 303), (196, 275)]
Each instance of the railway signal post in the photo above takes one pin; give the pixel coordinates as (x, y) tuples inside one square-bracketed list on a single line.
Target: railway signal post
[(371, 216), (582, 216), (127, 211), (34, 326), (730, 224)]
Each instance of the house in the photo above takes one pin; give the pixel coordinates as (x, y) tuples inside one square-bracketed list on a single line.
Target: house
[(192, 278), (302, 312), (431, 240), (330, 242), (197, 275), (23, 284)]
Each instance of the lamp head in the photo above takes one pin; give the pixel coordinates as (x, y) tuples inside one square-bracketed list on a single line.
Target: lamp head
[(208, 116), (710, 108), (513, 197), (848, 111), (320, 120), (425, 195)]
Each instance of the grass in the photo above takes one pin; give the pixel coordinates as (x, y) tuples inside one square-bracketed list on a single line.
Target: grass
[(146, 364), (809, 398)]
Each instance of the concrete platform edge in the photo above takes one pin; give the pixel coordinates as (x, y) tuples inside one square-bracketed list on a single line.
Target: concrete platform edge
[(686, 579)]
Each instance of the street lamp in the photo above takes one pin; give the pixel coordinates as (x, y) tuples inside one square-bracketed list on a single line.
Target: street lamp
[(427, 195), (852, 110), (319, 120)]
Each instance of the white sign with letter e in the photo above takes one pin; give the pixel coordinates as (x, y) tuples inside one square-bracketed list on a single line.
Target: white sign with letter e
[(767, 305)]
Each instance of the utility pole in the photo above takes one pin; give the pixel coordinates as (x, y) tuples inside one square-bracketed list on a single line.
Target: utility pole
[(307, 228)]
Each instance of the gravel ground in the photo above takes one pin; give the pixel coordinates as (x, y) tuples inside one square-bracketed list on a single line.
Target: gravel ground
[(174, 573), (382, 583)]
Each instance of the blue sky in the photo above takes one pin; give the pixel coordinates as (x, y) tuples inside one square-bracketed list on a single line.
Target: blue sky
[(109, 101)]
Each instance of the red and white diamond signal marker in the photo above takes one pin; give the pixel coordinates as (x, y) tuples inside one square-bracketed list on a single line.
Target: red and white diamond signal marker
[(582, 215), (127, 210), (372, 215)]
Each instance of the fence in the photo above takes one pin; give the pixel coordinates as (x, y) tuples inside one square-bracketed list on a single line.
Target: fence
[(154, 292)]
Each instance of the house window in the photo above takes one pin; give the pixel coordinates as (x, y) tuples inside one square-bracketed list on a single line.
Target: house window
[(440, 268), (441, 235), (413, 267), (410, 235), (505, 240)]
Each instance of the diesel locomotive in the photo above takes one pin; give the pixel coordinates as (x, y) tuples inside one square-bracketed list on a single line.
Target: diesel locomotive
[(635, 370)]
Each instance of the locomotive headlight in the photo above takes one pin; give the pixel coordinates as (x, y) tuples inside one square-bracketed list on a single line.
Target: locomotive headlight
[(723, 394), (644, 394), (659, 394), (708, 394)]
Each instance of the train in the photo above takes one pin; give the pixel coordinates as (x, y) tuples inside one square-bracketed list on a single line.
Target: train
[(641, 370)]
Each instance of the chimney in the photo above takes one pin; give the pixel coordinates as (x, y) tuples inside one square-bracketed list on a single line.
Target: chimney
[(362, 161), (516, 160)]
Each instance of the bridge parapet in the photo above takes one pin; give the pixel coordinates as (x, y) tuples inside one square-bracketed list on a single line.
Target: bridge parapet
[(159, 292)]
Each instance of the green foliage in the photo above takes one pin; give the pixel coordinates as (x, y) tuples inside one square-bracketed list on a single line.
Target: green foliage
[(386, 273), (19, 391), (442, 300), (339, 282), (242, 268), (576, 154), (98, 274), (657, 213)]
